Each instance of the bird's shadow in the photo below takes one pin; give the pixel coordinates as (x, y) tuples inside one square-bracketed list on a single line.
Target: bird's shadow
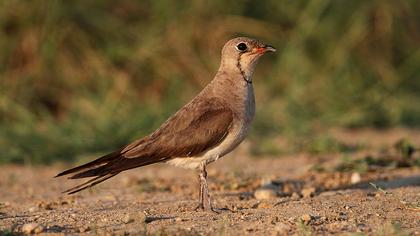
[(298, 185), (385, 184), (150, 219)]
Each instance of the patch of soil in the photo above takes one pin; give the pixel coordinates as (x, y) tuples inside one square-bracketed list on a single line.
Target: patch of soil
[(292, 198)]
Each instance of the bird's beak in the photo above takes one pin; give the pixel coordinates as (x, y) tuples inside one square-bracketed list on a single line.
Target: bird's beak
[(265, 49), (269, 48)]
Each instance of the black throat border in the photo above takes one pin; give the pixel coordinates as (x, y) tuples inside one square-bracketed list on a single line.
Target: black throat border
[(238, 64)]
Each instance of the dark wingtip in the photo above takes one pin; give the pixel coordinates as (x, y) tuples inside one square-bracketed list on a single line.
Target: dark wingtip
[(73, 192), (69, 171), (58, 175), (68, 192), (61, 174), (73, 177)]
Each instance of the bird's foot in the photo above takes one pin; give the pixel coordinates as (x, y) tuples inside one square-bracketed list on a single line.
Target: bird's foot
[(199, 208), (203, 208)]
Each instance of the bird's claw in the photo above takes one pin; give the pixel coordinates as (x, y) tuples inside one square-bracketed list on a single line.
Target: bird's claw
[(201, 207)]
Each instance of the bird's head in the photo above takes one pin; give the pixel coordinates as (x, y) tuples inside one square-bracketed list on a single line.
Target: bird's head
[(242, 54)]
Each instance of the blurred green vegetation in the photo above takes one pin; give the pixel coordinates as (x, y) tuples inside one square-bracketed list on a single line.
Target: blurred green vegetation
[(80, 77)]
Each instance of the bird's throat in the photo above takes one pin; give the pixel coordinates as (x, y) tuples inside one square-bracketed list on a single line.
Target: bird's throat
[(245, 77)]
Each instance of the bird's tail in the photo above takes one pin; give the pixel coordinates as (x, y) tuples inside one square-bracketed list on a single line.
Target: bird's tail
[(99, 168)]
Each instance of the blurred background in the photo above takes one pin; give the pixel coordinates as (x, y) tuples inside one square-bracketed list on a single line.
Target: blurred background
[(81, 78)]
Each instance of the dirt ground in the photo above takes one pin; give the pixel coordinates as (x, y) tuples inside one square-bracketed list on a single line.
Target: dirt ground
[(255, 196)]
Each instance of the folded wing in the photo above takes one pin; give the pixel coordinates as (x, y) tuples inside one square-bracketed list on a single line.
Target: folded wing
[(193, 130)]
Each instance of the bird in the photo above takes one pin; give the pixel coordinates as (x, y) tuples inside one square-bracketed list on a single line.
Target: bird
[(207, 128)]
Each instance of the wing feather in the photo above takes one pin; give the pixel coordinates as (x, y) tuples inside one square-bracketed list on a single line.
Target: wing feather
[(195, 129)]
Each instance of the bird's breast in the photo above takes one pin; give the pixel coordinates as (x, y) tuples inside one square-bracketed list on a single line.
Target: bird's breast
[(244, 111), (246, 114)]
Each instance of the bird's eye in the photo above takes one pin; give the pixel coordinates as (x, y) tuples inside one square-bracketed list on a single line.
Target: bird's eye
[(241, 47)]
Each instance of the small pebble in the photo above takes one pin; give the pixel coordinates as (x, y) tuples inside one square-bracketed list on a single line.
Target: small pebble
[(361, 227), (32, 228), (371, 194), (64, 202), (342, 216), (308, 192), (265, 193), (110, 198), (141, 217), (263, 205), (355, 178), (45, 205), (275, 219), (306, 218), (295, 196), (138, 217), (249, 229), (128, 218), (33, 209), (234, 186), (84, 229), (328, 193)]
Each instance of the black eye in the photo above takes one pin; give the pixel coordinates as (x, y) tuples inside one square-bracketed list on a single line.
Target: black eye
[(241, 47)]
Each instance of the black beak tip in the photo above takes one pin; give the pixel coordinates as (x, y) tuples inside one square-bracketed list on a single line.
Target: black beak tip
[(270, 48)]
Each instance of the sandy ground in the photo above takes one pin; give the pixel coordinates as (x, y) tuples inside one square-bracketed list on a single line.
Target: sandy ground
[(255, 196)]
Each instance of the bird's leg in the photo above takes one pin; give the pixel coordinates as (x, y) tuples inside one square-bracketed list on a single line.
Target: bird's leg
[(206, 195), (205, 202), (200, 204)]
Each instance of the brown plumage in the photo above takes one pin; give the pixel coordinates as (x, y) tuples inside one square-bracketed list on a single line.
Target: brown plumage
[(205, 129), (182, 135)]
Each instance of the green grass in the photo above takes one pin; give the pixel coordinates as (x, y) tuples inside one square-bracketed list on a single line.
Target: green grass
[(81, 78)]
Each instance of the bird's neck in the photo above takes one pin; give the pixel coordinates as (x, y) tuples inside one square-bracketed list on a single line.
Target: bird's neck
[(230, 85), (236, 71), (240, 65)]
